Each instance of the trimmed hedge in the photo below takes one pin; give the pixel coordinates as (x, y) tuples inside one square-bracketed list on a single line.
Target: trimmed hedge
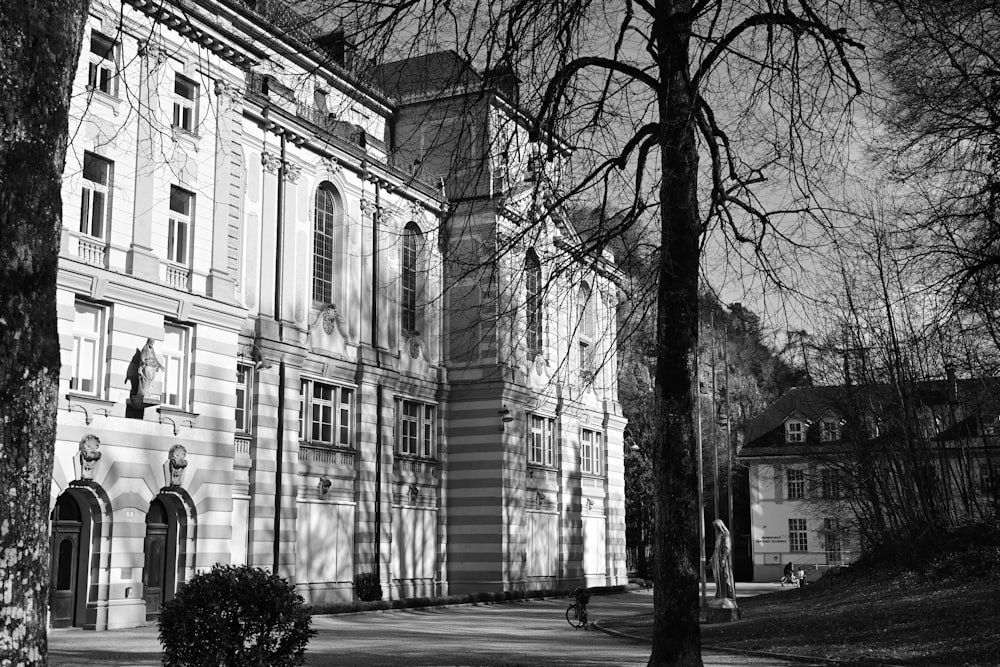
[(235, 616)]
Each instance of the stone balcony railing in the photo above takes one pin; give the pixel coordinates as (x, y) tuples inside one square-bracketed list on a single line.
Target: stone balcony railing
[(176, 276), (92, 250)]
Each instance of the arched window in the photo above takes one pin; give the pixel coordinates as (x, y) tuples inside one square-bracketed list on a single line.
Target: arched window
[(410, 279), (586, 311), (587, 327), (327, 221), (533, 303)]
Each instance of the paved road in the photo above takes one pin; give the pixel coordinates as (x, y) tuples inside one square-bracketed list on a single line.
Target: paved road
[(518, 633)]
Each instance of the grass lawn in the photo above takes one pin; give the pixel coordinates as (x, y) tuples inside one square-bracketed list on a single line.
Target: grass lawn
[(945, 611)]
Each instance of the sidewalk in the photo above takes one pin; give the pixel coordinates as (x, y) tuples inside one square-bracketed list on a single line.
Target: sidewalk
[(514, 633)]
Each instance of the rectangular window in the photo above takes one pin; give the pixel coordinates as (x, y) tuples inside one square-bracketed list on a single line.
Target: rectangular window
[(541, 449), (591, 452), (796, 485), (794, 432), (586, 361), (175, 365), (102, 73), (798, 539), (832, 543), (244, 397), (185, 103), (415, 429), (326, 415), (830, 431), (88, 349), (831, 483), (94, 199), (181, 205)]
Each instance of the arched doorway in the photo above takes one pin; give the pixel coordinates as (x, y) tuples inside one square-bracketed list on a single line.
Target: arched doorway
[(163, 549), (68, 567)]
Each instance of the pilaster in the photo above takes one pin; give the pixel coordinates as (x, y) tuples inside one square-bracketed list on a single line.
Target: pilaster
[(140, 260)]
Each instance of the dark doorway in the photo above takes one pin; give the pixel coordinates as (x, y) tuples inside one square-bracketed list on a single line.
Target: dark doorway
[(160, 548), (68, 565)]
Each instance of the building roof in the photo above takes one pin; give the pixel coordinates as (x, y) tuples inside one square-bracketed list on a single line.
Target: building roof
[(425, 75), (964, 403)]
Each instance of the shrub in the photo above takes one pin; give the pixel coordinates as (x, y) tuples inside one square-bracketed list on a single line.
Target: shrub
[(235, 616), (367, 586)]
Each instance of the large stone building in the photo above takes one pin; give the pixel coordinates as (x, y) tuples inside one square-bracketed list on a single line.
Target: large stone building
[(288, 344), (823, 460)]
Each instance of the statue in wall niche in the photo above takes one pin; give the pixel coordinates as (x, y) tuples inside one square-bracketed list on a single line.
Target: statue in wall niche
[(722, 567), (89, 454), (177, 462), (142, 373)]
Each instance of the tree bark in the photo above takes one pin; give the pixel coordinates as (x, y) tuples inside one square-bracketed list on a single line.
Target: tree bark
[(39, 48), (676, 633)]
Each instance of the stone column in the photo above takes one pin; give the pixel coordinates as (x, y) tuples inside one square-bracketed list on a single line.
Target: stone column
[(220, 283), (140, 260)]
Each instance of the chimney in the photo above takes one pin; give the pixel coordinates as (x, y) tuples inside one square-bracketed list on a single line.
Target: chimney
[(949, 372), (503, 80), (335, 45)]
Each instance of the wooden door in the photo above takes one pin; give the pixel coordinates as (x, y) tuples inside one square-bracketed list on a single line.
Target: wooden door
[(155, 569), (65, 559)]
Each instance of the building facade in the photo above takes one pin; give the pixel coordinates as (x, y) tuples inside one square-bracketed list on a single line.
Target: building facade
[(269, 355), (824, 460)]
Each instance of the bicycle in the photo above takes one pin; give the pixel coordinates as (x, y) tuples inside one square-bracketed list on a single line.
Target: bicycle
[(576, 614)]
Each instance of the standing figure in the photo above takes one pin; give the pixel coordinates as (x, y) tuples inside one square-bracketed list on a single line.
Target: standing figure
[(722, 562), (149, 368)]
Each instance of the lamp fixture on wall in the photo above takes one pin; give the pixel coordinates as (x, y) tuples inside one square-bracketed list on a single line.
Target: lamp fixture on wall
[(505, 417), (77, 407)]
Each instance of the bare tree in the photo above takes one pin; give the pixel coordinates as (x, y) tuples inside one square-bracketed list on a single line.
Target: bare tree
[(943, 138), (39, 47), (688, 108)]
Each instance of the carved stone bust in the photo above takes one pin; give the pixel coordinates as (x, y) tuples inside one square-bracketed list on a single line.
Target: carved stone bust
[(90, 454), (177, 462)]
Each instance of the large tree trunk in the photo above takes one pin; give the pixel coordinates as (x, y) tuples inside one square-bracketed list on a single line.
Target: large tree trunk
[(676, 634), (39, 48)]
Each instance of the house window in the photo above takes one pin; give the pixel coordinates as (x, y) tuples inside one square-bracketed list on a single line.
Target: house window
[(831, 483), (832, 543), (326, 416), (244, 397), (102, 73), (88, 349), (415, 429), (185, 103), (410, 279), (174, 352), (533, 303), (591, 452), (541, 449), (829, 430), (181, 205), (94, 208), (796, 484), (327, 219), (798, 538), (794, 432)]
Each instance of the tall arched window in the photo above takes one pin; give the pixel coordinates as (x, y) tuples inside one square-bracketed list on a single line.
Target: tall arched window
[(586, 329), (410, 278), (328, 218), (533, 303)]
